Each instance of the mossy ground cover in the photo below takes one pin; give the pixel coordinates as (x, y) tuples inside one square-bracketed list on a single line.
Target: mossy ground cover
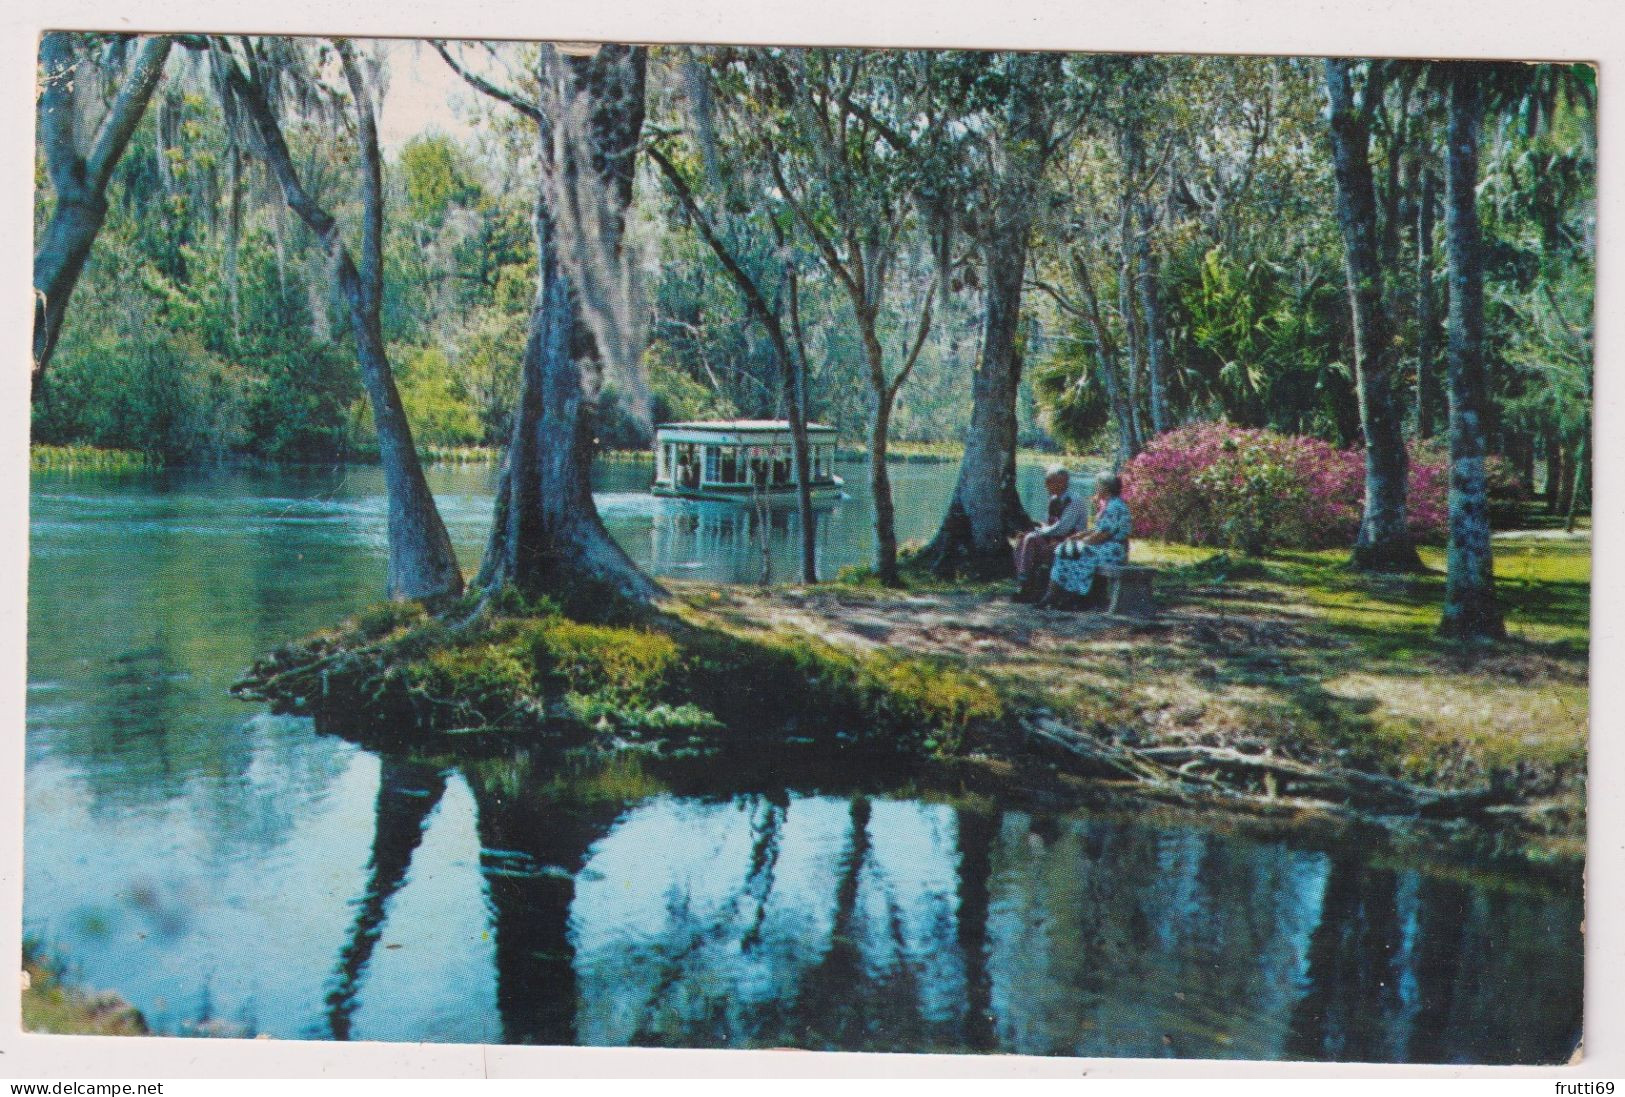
[(678, 682)]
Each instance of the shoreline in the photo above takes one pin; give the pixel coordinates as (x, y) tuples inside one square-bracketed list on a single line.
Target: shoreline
[(1282, 689)]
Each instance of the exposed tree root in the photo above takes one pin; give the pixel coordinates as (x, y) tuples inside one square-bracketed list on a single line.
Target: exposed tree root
[(1193, 774)]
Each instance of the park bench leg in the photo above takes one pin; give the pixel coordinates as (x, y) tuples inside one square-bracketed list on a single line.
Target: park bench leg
[(1131, 596)]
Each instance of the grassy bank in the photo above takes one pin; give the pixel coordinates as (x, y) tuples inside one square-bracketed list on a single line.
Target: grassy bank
[(50, 1006), (43, 458), (930, 452)]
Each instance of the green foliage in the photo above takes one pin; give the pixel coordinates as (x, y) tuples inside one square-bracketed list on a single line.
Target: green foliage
[(1270, 342), (436, 176), (1071, 398), (152, 391), (435, 399), (205, 325), (486, 365)]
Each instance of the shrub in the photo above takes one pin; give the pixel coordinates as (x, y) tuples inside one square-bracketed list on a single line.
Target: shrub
[(1255, 490)]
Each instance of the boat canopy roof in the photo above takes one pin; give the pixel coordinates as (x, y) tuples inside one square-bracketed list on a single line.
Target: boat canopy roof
[(738, 431)]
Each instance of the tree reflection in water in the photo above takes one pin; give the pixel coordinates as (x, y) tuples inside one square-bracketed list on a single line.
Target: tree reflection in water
[(408, 793), (775, 918)]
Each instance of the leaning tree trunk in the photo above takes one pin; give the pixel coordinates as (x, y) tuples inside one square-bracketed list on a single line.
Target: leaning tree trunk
[(1471, 611), (1106, 359), (793, 372), (1133, 345), (78, 182), (1384, 542), (422, 563), (547, 537)]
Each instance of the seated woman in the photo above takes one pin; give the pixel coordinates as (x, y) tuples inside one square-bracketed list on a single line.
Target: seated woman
[(1079, 557)]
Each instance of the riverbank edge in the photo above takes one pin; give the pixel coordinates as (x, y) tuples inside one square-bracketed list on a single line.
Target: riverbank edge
[(686, 678), (51, 1006)]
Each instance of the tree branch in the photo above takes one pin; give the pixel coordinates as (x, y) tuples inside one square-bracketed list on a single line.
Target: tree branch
[(748, 288), (919, 342), (248, 91), (831, 257), (372, 202), (126, 112), (479, 83)]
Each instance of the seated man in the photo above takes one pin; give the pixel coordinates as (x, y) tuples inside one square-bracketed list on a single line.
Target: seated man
[(1072, 574), (1067, 515)]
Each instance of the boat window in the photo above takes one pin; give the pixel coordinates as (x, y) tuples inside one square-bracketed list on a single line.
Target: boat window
[(730, 466), (711, 464)]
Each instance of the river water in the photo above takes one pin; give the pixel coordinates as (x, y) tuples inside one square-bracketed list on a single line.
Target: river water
[(233, 872)]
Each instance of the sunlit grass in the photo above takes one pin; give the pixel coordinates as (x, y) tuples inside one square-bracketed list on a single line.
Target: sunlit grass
[(42, 458)]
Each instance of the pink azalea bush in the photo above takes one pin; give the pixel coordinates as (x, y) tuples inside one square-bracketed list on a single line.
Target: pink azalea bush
[(1254, 490)]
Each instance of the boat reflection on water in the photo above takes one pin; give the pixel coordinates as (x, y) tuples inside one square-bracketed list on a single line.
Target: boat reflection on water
[(736, 542)]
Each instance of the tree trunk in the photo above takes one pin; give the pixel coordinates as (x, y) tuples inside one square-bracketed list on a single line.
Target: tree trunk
[(547, 537), (880, 487), (546, 534), (793, 371), (1552, 487), (79, 182), (1427, 368), (422, 564), (1106, 357), (1133, 345), (1471, 611), (1578, 487), (1151, 310), (986, 509), (1384, 542)]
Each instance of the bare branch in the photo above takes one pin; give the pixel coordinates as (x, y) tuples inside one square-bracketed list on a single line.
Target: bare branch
[(480, 84), (919, 342)]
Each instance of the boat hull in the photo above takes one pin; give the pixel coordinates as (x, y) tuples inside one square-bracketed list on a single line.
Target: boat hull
[(827, 491)]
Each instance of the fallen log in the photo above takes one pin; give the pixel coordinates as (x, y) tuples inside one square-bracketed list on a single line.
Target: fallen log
[(1166, 768)]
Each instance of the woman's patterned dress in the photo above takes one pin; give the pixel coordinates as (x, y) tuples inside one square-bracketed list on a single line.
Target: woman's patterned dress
[(1076, 562)]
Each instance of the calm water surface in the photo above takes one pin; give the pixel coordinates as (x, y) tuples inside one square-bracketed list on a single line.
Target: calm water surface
[(229, 871)]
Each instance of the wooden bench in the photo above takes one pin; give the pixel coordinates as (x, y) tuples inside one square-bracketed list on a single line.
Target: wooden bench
[(1130, 588)]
